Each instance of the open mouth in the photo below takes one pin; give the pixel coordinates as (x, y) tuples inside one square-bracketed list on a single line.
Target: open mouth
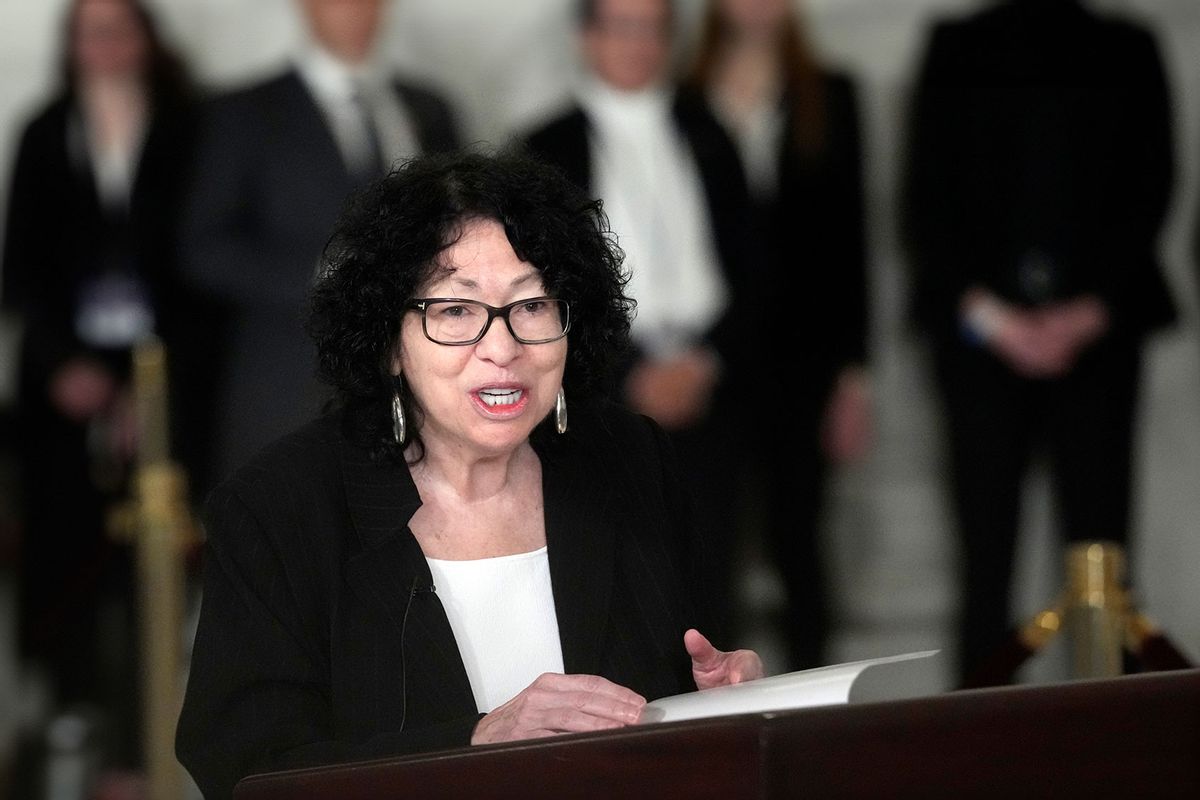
[(500, 397)]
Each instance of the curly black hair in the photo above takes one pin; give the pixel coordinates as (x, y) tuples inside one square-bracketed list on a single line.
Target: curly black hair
[(387, 244)]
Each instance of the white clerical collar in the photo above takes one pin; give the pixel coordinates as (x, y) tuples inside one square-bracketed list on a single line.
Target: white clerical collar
[(328, 76), (611, 103)]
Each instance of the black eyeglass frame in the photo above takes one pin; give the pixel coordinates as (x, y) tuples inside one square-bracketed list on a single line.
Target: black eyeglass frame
[(422, 303)]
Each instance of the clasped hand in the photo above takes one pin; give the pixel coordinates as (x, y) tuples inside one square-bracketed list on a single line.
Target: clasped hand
[(556, 703), (1043, 342)]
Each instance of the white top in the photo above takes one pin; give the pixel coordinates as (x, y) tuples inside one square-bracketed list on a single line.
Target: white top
[(119, 108), (351, 97), (650, 185), (758, 133), (502, 613), (113, 308)]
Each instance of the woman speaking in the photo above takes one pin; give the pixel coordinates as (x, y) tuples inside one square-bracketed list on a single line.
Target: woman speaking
[(473, 546)]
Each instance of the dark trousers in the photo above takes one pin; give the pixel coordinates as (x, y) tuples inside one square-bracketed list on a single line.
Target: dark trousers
[(707, 455), (75, 602), (795, 490), (1082, 423), (787, 471)]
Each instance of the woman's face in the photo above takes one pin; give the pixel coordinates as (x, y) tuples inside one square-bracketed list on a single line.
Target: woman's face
[(754, 16), (108, 39), (486, 398)]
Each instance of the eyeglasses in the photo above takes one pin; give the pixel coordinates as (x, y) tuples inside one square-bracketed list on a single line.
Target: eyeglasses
[(454, 321)]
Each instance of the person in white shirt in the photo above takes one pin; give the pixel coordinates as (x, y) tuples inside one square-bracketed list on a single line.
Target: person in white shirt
[(277, 161), (674, 192)]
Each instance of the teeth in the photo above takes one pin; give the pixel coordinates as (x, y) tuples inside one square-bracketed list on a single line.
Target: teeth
[(500, 397)]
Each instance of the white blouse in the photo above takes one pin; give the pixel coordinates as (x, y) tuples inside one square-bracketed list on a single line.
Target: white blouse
[(758, 133), (502, 613)]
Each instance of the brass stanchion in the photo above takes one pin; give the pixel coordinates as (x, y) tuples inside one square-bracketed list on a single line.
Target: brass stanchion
[(1024, 642), (158, 520), (1096, 606), (1097, 616)]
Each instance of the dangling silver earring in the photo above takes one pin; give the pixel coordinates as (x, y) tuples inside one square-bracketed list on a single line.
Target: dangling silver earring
[(399, 424), (560, 412)]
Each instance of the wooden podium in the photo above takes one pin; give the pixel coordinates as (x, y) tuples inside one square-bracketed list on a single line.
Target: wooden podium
[(1133, 736)]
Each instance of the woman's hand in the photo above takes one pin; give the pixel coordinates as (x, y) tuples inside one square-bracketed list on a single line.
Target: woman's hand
[(712, 667), (557, 703)]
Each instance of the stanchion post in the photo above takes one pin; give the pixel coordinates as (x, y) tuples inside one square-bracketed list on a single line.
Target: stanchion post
[(1096, 607), (159, 522), (1099, 619)]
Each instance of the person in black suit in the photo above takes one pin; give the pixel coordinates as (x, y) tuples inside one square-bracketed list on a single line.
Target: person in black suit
[(276, 163), (89, 269), (1040, 172), (450, 557), (674, 192), (796, 128)]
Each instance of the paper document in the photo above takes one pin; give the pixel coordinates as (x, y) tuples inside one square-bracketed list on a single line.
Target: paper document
[(887, 678)]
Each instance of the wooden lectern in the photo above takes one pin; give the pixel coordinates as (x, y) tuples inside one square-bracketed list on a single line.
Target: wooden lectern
[(1132, 736)]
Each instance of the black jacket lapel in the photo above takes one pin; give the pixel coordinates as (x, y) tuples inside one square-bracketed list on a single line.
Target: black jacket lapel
[(580, 538), (390, 576)]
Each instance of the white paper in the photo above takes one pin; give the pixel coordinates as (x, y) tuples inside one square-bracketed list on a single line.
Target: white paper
[(890, 679)]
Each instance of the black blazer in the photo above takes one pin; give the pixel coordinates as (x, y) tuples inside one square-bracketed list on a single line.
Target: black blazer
[(809, 234), (1040, 128), (58, 236), (268, 185), (59, 239), (322, 639)]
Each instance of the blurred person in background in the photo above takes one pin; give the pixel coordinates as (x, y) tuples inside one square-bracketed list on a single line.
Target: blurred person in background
[(795, 125), (276, 163), (88, 267), (674, 193), (1040, 173)]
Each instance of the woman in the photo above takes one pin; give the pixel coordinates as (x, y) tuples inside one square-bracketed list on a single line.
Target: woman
[(448, 558), (796, 127), (87, 267)]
